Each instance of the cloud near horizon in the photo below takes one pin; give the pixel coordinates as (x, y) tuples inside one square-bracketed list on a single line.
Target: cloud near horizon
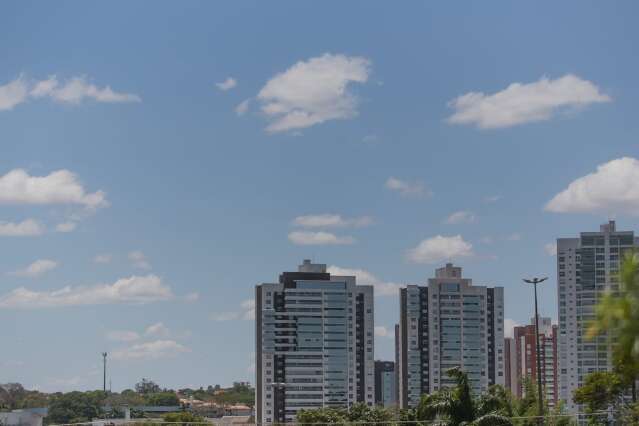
[(440, 249)]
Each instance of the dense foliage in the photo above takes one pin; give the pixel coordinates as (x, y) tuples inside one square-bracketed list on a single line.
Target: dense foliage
[(359, 413), (239, 393)]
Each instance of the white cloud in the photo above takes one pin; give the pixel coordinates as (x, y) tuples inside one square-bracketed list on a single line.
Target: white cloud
[(382, 331), (77, 89), (157, 329), (192, 297), (440, 249), (139, 260), (135, 289), (331, 221), (525, 103), (407, 188), (551, 249), (122, 336), (509, 325), (242, 107), (102, 258), (318, 238), (612, 189), (363, 277), (460, 217), (313, 91), (227, 84), (37, 268), (65, 227), (26, 228), (59, 187), (246, 312), (150, 350), (13, 93)]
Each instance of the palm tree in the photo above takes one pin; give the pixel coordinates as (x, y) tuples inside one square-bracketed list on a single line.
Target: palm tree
[(617, 315), (456, 406)]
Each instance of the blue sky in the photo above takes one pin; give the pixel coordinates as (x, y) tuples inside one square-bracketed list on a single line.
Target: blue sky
[(141, 199)]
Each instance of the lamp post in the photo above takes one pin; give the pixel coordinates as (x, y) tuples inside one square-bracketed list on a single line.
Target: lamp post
[(540, 396)]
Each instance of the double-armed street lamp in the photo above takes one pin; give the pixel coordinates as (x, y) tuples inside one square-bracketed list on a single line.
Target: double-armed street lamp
[(540, 395)]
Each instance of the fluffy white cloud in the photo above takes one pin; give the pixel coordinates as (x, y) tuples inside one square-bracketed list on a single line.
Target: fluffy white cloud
[(440, 249), (59, 187), (65, 227), (509, 325), (612, 189), (331, 221), (37, 268), (313, 91), (460, 217), (227, 84), (74, 91), (102, 258), (363, 277), (407, 188), (135, 289), (524, 103), (26, 228), (150, 350), (122, 336), (13, 93), (551, 249), (246, 312), (77, 89), (242, 107), (139, 260), (157, 329), (382, 331), (304, 238)]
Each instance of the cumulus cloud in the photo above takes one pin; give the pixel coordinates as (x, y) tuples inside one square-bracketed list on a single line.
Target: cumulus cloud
[(36, 269), (331, 221), (407, 188), (313, 91), (77, 89), (139, 260), (509, 325), (59, 187), (460, 217), (612, 189), (304, 238), (26, 228), (135, 290), (242, 107), (65, 227), (150, 350), (13, 93), (102, 258), (245, 312), (122, 336), (157, 329), (363, 277), (439, 249), (227, 84), (525, 103), (551, 249), (383, 331)]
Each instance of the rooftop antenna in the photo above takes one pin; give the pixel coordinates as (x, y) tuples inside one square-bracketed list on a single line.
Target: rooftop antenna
[(104, 357)]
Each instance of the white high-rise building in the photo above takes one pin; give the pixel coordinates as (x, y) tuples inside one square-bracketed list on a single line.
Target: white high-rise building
[(586, 268), (314, 343), (449, 323)]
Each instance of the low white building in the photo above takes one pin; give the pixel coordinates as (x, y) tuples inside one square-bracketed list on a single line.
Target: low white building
[(26, 417)]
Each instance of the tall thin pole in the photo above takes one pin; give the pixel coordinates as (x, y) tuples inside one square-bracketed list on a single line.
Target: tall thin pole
[(540, 396), (104, 357)]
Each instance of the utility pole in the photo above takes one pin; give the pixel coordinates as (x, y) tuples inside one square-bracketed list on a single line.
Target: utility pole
[(541, 397), (104, 357)]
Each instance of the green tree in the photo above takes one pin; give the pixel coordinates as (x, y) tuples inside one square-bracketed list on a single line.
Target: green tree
[(162, 398), (75, 407), (601, 390), (456, 406), (358, 413), (147, 386), (617, 315), (183, 417)]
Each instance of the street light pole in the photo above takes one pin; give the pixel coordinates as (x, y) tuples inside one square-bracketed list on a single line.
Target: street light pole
[(540, 396)]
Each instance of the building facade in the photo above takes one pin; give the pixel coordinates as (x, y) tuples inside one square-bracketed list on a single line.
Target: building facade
[(314, 343), (449, 323), (385, 381), (521, 359), (587, 267)]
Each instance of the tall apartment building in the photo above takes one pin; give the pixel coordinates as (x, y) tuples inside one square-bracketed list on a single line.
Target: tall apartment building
[(449, 323), (314, 343), (385, 394), (586, 267), (521, 359)]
